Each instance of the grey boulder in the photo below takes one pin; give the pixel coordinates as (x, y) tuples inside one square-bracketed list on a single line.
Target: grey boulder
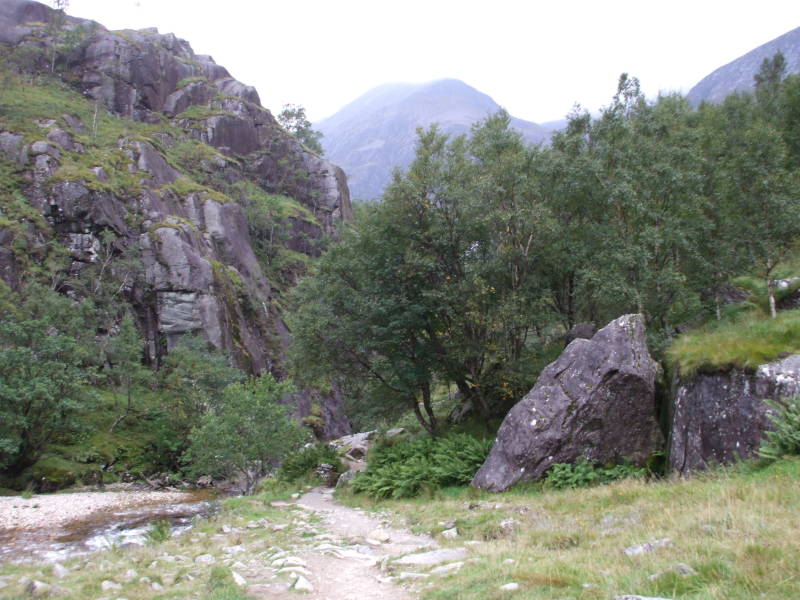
[(597, 400)]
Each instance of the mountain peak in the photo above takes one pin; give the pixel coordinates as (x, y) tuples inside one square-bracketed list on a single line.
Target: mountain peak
[(376, 133), (738, 75)]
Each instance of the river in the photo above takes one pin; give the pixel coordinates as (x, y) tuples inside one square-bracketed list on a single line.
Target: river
[(102, 530)]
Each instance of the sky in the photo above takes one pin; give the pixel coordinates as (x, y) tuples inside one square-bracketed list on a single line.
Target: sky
[(537, 59)]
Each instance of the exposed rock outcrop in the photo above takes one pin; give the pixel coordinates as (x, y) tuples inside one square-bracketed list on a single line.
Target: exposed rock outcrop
[(718, 418), (597, 400), (165, 156)]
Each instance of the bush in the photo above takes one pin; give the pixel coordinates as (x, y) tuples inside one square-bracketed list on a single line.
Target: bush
[(301, 464), (405, 469), (583, 473), (159, 531), (785, 437)]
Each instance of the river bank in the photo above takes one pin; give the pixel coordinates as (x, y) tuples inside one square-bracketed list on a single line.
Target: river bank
[(56, 510)]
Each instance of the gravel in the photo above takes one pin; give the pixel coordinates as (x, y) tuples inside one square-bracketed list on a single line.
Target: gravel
[(57, 509)]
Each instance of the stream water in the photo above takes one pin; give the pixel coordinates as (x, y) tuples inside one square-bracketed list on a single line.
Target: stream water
[(102, 530)]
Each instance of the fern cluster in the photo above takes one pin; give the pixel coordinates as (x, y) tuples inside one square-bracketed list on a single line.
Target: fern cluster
[(302, 463), (405, 469), (785, 437), (583, 473)]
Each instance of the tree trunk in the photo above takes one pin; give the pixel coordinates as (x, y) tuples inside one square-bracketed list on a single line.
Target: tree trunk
[(773, 312)]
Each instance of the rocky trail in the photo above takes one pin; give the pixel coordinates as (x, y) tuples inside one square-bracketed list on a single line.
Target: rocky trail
[(344, 563)]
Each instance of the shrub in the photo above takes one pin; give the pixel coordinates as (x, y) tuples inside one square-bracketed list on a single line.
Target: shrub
[(301, 464), (583, 473), (159, 531), (785, 437), (407, 468)]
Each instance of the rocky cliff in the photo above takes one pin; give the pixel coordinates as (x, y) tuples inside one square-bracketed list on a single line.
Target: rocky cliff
[(126, 148), (721, 417)]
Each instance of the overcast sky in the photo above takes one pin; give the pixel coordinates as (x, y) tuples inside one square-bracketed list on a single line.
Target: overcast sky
[(535, 58)]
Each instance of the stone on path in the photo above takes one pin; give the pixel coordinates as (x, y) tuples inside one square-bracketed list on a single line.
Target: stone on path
[(408, 575), (434, 557), (450, 534), (447, 568), (205, 559), (303, 585)]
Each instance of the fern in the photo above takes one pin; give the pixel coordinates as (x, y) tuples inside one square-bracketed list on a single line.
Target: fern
[(405, 469), (785, 437)]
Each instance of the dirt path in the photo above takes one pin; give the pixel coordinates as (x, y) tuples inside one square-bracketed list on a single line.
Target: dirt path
[(343, 563)]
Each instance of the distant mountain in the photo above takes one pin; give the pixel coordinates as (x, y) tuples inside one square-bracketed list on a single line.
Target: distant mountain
[(738, 75), (375, 133)]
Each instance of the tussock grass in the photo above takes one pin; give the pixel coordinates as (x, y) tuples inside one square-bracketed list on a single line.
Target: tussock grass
[(748, 341), (736, 528)]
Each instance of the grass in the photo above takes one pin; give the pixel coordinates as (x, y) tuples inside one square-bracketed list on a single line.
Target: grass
[(746, 342), (736, 528)]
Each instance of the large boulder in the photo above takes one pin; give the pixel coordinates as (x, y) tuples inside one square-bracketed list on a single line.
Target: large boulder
[(597, 400), (719, 418)]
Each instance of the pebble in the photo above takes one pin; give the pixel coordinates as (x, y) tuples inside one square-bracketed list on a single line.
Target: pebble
[(509, 587), (296, 570), (60, 571), (38, 589), (107, 585), (447, 568), (450, 534), (303, 585), (156, 587), (130, 575), (681, 569), (205, 559), (640, 549), (409, 575), (433, 557), (380, 535), (238, 579)]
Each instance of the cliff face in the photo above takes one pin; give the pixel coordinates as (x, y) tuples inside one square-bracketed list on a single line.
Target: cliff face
[(131, 145)]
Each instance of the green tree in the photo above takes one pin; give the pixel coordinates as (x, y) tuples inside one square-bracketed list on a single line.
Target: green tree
[(293, 119), (44, 373), (125, 359), (246, 431), (192, 375)]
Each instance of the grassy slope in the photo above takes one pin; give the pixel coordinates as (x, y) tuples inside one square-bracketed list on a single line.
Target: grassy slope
[(736, 529), (748, 341)]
